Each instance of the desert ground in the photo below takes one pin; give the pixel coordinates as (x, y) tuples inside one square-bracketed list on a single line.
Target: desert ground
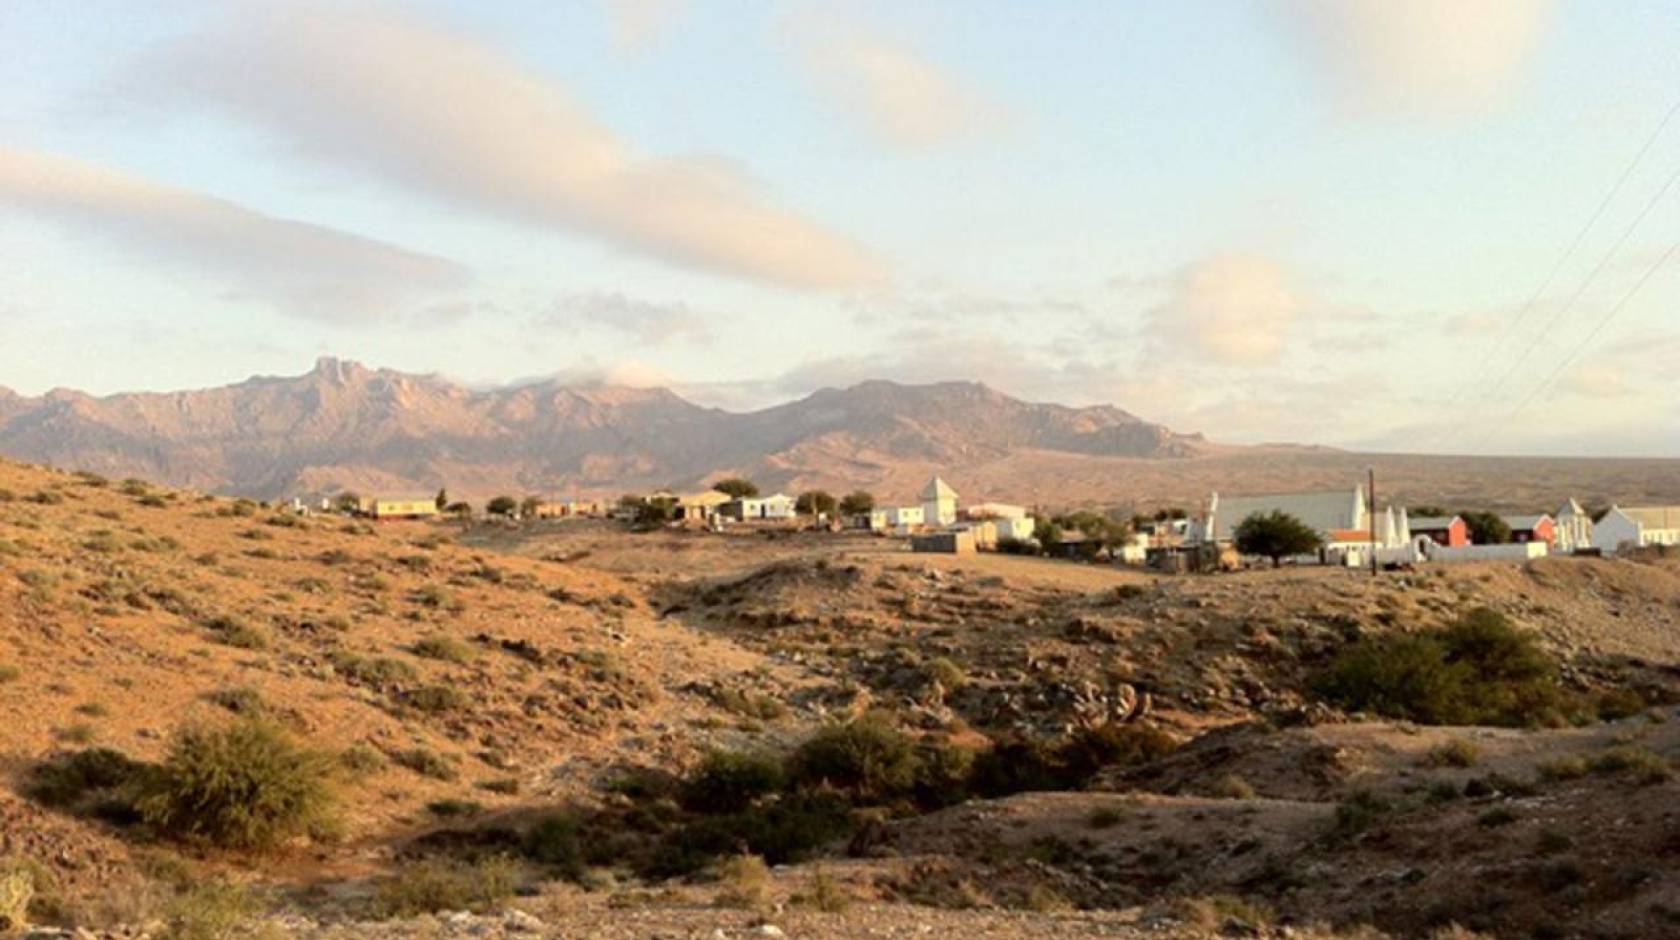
[(571, 728)]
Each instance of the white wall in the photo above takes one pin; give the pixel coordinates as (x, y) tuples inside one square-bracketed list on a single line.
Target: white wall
[(1516, 551)]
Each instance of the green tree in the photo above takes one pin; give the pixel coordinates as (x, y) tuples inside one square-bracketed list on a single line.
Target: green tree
[(814, 503), (656, 510), (1274, 535), (1429, 511), (501, 506), (1486, 528), (442, 499), (529, 505), (738, 487), (347, 502), (857, 503), (460, 509)]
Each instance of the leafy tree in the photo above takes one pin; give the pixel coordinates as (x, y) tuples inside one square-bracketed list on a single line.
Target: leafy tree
[(737, 487), (460, 509), (1486, 528), (656, 510), (347, 502), (501, 506), (1173, 512), (1107, 532), (814, 503), (1435, 511), (1274, 535), (442, 500), (857, 503), (529, 505)]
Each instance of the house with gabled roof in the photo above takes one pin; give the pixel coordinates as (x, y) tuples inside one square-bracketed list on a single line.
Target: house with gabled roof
[(939, 503), (1626, 527), (1342, 519), (1574, 527), (1532, 528)]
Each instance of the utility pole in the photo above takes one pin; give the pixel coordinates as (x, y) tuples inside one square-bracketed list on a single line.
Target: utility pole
[(1371, 516)]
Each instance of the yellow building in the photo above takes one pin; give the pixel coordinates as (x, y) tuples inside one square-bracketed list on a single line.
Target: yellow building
[(401, 507)]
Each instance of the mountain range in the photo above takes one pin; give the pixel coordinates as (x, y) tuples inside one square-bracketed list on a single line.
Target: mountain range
[(344, 426)]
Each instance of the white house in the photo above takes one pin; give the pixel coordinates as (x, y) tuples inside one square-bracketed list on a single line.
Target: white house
[(1341, 518), (939, 503), (1574, 527), (901, 516), (778, 506), (1636, 527)]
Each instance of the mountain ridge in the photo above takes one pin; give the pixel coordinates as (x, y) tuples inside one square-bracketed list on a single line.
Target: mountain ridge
[(345, 425)]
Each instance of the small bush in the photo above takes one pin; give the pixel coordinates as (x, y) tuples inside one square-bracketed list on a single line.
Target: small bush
[(1359, 812), (441, 647), (1569, 767), (436, 699), (555, 842), (1233, 787), (826, 894), (730, 781), (1644, 766), (451, 808), (241, 700), (945, 672), (17, 890), (868, 757), (210, 910), (361, 759), (426, 763), (235, 632), (1105, 818), (435, 885), (1498, 816), (1454, 753), (376, 671), (9, 673), (746, 883), (246, 785)]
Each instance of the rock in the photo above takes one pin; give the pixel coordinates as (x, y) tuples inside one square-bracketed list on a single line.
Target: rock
[(770, 930), (520, 921)]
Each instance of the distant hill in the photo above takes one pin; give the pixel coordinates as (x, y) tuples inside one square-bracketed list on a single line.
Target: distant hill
[(345, 426)]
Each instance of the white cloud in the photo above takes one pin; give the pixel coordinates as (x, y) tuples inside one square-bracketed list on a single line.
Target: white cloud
[(1230, 309), (1597, 380), (407, 101), (1421, 57), (901, 96), (648, 321), (303, 269)]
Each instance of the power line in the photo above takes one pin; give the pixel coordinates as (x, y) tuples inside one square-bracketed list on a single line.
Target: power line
[(1574, 245), (1580, 291), (1609, 315)]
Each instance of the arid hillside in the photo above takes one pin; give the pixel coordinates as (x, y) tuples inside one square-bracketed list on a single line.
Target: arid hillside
[(676, 732)]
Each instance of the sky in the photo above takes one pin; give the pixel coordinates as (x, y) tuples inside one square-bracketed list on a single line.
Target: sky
[(1403, 225)]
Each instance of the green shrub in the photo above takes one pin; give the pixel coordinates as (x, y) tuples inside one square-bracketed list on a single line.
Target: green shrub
[(1104, 818), (237, 633), (436, 699), (945, 672), (426, 763), (868, 757), (441, 647), (556, 843), (453, 807), (1359, 812), (1480, 670), (745, 881), (437, 885), (361, 759), (1113, 744), (943, 774), (730, 781), (17, 890), (1643, 765), (241, 700), (1568, 767), (781, 831), (210, 910), (376, 671), (1454, 753), (9, 673), (244, 785)]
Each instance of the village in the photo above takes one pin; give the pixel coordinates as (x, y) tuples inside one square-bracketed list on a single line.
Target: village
[(1226, 533)]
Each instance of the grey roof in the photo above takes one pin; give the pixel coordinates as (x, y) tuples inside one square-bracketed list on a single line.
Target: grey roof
[(1523, 523), (1322, 511), (1431, 522), (1654, 517)]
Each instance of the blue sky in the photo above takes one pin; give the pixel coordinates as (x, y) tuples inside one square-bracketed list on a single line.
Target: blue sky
[(1345, 222)]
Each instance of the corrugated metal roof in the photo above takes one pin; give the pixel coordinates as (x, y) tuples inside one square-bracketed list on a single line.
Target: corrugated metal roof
[(1654, 517), (1431, 522), (1524, 523), (1322, 511)]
